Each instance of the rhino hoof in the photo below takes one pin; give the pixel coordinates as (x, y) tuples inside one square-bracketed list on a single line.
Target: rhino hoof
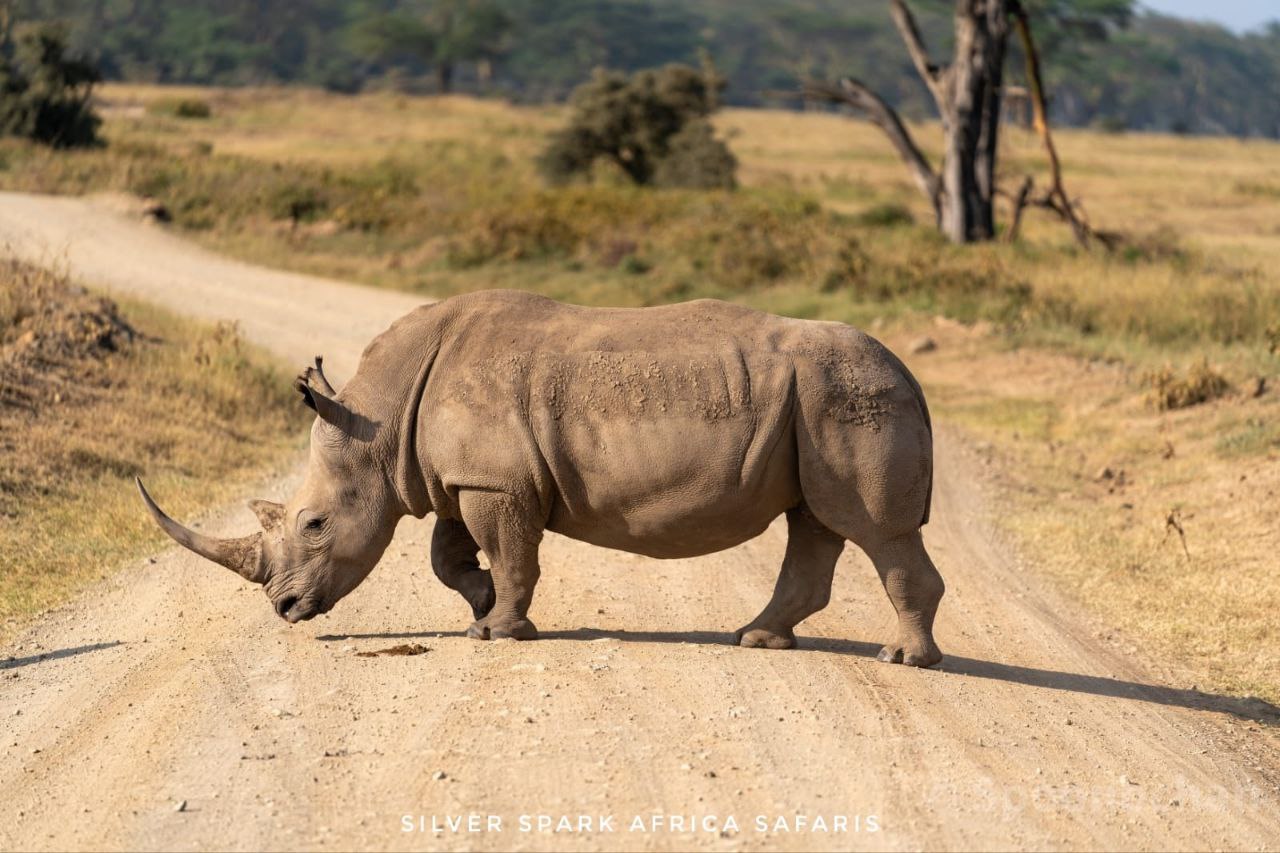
[(762, 638), (924, 657), (517, 629)]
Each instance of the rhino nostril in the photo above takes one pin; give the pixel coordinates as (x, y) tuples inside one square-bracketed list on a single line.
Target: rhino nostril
[(285, 604)]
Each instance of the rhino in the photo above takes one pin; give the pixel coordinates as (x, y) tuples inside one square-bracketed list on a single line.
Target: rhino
[(671, 431)]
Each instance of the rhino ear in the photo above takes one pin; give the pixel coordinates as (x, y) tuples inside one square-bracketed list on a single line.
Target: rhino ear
[(320, 397), (316, 375), (269, 513), (329, 409), (336, 414)]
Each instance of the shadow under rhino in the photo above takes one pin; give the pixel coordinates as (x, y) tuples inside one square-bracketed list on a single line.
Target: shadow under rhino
[(57, 654), (1245, 708)]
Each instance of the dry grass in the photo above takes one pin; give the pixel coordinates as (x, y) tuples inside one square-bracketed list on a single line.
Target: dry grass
[(1092, 474), (440, 195), (89, 397)]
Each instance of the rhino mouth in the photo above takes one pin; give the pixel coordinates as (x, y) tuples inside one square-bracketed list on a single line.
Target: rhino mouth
[(293, 610)]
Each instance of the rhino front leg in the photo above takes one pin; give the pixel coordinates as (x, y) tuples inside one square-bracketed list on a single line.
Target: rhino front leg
[(510, 538), (453, 559), (804, 584)]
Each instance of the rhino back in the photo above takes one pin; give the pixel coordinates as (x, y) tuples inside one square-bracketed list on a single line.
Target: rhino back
[(667, 431)]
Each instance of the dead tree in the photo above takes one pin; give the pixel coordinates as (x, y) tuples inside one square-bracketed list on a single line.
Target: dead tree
[(967, 95)]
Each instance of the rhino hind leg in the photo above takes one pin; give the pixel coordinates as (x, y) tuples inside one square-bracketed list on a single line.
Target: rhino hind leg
[(503, 531), (915, 588), (453, 559), (803, 587)]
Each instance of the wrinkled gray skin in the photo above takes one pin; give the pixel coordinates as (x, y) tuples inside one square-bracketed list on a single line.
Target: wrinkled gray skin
[(671, 432)]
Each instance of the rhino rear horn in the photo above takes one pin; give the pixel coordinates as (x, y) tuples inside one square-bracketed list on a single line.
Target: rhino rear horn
[(246, 556)]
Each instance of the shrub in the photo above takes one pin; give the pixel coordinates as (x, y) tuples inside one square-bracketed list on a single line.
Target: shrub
[(193, 108), (1111, 124), (297, 202), (651, 125), (45, 94), (1170, 390), (887, 215), (696, 159)]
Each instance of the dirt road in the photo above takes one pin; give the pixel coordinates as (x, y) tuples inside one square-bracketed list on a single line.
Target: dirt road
[(168, 708)]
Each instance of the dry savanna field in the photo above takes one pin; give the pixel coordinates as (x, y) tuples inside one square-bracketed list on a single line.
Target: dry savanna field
[(1079, 374)]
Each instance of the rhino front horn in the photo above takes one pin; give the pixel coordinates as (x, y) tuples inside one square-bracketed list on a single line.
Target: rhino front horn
[(245, 556)]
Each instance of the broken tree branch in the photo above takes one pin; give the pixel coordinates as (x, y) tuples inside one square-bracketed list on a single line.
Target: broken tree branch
[(1173, 524), (1019, 205), (910, 32), (1056, 198), (852, 93)]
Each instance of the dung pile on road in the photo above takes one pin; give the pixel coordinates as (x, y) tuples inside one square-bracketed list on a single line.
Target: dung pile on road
[(54, 339)]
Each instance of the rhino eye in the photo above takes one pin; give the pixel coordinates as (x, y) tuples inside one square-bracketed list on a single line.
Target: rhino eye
[(311, 523)]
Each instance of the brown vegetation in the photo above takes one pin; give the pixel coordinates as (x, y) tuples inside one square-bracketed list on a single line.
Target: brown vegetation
[(90, 398), (1169, 389)]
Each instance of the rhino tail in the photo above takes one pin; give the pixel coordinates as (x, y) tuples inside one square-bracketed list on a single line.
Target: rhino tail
[(928, 424), (924, 410)]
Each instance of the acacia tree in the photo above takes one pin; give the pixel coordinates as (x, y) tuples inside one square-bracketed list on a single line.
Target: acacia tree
[(967, 93)]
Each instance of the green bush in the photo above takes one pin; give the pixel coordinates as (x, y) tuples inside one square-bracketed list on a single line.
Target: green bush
[(652, 125), (696, 159), (45, 94), (192, 108), (297, 202), (888, 215)]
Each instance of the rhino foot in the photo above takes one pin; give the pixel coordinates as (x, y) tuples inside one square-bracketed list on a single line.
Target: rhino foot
[(913, 654), (763, 638), (502, 629)]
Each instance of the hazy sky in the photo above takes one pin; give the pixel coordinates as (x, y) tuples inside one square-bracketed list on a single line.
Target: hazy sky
[(1239, 15)]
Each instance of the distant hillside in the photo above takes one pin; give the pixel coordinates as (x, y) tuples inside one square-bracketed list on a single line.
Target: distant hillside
[(1157, 73)]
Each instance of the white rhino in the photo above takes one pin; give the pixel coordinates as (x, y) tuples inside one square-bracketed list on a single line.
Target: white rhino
[(671, 432)]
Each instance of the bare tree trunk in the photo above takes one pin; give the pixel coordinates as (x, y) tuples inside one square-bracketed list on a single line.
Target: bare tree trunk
[(444, 76), (6, 24), (968, 99)]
